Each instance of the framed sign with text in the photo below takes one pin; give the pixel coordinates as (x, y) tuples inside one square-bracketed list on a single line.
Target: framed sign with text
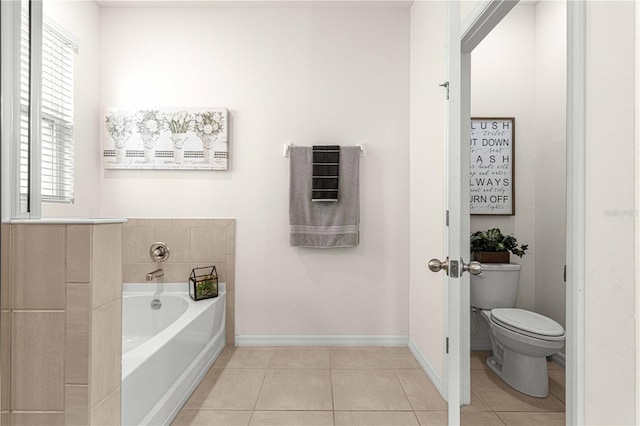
[(491, 172)]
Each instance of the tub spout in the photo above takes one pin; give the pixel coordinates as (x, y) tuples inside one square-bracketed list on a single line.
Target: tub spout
[(155, 274)]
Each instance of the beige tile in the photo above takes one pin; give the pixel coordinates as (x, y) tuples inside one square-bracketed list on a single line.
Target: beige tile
[(422, 394), (375, 418), (136, 241), (37, 418), (176, 272), (301, 357), (401, 357), (208, 244), (212, 418), (78, 253), (227, 389), (5, 418), (107, 412), (152, 222), (192, 222), (37, 375), (553, 366), (5, 360), (527, 419), (106, 351), (221, 223), (5, 264), (78, 330), (351, 358), (293, 418), (136, 272), (76, 405), (296, 390), (223, 358), (38, 269), (480, 419), (477, 403), (502, 397), (479, 360), (368, 390), (432, 418), (250, 357), (231, 238), (557, 383), (230, 279), (178, 238), (107, 264)]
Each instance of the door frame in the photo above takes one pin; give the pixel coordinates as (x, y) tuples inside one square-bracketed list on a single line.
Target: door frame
[(477, 25)]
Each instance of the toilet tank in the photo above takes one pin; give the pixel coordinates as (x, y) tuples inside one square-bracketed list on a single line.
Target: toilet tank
[(496, 286)]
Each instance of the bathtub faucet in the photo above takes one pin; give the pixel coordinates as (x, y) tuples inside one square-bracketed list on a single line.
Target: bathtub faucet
[(155, 274)]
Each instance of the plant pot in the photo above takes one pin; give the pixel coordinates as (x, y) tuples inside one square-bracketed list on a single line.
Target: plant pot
[(178, 147), (149, 150), (491, 256), (121, 150)]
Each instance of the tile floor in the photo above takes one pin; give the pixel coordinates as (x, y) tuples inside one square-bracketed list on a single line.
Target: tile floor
[(369, 386)]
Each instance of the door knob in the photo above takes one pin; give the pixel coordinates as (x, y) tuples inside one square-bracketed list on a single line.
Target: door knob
[(474, 268), (436, 265)]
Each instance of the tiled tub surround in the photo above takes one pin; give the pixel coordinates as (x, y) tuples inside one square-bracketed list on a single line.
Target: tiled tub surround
[(65, 311), (193, 243)]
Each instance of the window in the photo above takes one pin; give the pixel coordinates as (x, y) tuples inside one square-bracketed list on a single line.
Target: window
[(56, 114)]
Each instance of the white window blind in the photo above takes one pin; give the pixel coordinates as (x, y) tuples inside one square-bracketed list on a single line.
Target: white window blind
[(57, 115)]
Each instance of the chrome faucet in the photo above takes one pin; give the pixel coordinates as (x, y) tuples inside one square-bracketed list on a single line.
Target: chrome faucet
[(155, 274)]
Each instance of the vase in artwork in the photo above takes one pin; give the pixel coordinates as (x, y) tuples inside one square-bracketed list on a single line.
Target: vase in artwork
[(207, 148), (149, 149), (121, 150), (178, 146)]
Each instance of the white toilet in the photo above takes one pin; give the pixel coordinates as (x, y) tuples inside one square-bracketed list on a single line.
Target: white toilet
[(521, 339)]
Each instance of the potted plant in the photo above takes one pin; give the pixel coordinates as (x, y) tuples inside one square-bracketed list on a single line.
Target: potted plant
[(208, 126), (493, 246), (179, 123), (120, 128)]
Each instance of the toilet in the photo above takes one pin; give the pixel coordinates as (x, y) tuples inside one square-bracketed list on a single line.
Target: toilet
[(520, 339)]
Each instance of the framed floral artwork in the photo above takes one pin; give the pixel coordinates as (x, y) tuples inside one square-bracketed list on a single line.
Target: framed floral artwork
[(166, 138)]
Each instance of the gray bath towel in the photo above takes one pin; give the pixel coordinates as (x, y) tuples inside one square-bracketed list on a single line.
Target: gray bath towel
[(323, 224)]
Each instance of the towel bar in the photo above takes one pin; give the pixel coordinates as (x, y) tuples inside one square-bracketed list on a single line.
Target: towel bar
[(287, 146)]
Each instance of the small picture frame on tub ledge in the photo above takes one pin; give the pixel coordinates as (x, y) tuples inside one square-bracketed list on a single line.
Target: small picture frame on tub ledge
[(203, 283), (492, 166)]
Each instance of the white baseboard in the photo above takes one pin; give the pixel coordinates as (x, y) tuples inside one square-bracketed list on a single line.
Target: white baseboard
[(429, 369), (559, 358), (329, 340)]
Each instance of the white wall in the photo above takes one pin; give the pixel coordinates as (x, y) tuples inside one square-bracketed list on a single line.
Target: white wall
[(503, 84), (427, 201), (611, 348), (82, 19), (550, 160), (301, 75)]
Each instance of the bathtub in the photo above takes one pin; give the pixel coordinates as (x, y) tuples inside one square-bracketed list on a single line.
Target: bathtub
[(166, 351)]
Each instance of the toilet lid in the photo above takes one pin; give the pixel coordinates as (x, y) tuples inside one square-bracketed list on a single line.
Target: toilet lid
[(527, 321)]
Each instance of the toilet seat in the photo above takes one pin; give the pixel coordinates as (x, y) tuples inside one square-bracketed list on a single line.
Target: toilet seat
[(528, 323)]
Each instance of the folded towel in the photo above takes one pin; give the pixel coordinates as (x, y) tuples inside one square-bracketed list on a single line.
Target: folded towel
[(326, 172), (323, 224)]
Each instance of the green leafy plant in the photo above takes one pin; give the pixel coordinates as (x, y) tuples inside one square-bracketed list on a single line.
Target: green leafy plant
[(494, 240)]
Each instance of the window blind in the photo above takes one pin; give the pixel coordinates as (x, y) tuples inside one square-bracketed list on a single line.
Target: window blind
[(57, 115)]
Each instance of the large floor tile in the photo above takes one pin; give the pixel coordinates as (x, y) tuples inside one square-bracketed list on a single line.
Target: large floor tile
[(375, 418), (228, 389), (502, 397), (557, 384), (477, 403), (432, 418), (292, 418), (368, 390), (352, 358), (422, 394), (526, 419), (479, 360), (288, 389), (401, 357), (301, 357), (189, 417), (247, 357)]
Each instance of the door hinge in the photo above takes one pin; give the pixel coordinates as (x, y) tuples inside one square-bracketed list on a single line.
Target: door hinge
[(446, 86), (447, 217), (447, 345), (564, 274)]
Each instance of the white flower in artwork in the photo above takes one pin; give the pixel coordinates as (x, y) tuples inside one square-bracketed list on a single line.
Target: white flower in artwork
[(209, 124), (208, 129), (152, 125)]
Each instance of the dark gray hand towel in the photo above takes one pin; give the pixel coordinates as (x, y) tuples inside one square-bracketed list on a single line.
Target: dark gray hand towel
[(326, 173), (314, 224)]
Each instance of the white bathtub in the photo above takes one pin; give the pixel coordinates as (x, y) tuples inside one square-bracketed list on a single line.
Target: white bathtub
[(166, 352)]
